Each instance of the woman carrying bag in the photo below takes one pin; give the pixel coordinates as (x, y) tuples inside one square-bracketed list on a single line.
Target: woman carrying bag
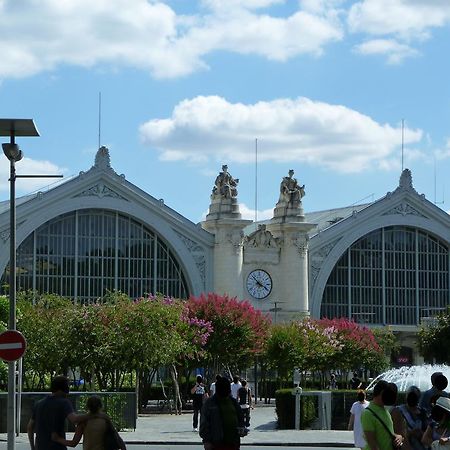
[(98, 431)]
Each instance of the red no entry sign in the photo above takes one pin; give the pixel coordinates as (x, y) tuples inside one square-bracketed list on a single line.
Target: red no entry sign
[(12, 345)]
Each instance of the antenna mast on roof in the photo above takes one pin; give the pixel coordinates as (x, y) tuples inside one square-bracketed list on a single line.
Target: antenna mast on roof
[(435, 179), (99, 118), (403, 141), (256, 180)]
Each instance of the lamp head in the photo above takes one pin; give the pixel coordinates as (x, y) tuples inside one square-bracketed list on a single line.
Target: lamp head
[(12, 152)]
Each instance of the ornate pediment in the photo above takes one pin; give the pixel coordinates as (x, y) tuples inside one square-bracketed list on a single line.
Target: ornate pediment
[(100, 190), (404, 209), (261, 238)]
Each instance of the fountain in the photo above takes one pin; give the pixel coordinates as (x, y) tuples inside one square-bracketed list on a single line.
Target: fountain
[(407, 376)]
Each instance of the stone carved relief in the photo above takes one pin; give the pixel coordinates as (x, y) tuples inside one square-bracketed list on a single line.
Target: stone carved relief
[(404, 209), (318, 257), (405, 181), (300, 241), (4, 235), (261, 238), (198, 254), (235, 238), (262, 246), (100, 190), (102, 159)]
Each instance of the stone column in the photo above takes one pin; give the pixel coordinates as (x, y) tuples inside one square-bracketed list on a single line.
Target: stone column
[(293, 276), (228, 254)]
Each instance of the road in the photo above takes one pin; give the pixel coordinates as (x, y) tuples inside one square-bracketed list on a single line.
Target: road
[(22, 446)]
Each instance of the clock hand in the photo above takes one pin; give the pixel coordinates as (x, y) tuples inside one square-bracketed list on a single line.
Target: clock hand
[(257, 281)]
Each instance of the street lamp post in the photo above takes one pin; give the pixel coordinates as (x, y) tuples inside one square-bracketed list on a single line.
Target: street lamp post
[(13, 128)]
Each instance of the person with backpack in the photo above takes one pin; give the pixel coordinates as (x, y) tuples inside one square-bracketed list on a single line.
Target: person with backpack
[(245, 401), (198, 396)]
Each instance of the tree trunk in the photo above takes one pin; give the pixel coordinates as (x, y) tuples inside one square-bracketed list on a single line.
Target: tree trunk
[(177, 398)]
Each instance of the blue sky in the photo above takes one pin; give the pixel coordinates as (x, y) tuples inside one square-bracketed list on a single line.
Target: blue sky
[(188, 85)]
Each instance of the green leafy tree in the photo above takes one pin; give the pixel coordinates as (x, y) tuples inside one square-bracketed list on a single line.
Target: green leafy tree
[(45, 327), (304, 344), (434, 339)]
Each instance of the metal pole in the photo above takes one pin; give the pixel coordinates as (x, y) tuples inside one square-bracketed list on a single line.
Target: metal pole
[(19, 396), (11, 419)]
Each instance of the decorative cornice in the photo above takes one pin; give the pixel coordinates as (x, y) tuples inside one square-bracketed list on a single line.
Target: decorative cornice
[(100, 190)]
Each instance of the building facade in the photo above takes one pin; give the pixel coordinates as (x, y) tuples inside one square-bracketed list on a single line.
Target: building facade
[(385, 263)]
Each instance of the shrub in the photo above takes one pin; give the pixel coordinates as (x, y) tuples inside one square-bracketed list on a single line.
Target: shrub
[(285, 410)]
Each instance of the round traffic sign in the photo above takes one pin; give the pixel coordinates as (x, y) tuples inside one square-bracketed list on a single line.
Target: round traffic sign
[(12, 345)]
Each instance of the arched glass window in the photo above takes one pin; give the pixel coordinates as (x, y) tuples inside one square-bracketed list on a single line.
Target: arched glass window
[(82, 254), (394, 275)]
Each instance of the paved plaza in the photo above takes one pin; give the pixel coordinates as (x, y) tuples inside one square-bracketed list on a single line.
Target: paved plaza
[(166, 428)]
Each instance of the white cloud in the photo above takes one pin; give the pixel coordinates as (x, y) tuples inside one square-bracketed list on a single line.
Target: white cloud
[(410, 19), (30, 167), (399, 24), (149, 35), (248, 213), (299, 130), (394, 51)]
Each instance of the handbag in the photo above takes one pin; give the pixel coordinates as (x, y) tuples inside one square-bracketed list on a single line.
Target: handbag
[(436, 445), (112, 439), (395, 446)]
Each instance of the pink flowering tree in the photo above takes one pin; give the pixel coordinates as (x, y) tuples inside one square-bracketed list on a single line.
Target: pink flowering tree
[(238, 331), (360, 347)]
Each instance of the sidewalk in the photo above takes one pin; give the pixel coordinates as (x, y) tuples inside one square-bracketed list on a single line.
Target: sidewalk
[(166, 428)]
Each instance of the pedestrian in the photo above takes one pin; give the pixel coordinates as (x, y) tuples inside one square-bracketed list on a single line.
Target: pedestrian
[(437, 434), (212, 388), (50, 414), (221, 422), (198, 396), (438, 384), (235, 386), (355, 382), (377, 422), (333, 383), (245, 401), (94, 431), (354, 422), (410, 420)]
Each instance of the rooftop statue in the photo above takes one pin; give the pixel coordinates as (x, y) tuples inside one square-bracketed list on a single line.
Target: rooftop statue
[(291, 193), (225, 185)]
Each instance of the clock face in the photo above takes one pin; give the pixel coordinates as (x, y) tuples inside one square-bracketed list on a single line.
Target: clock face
[(259, 284)]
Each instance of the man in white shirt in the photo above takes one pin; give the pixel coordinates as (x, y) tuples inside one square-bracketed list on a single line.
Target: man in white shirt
[(235, 386)]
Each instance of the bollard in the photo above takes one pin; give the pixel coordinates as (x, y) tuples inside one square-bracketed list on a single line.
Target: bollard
[(297, 392)]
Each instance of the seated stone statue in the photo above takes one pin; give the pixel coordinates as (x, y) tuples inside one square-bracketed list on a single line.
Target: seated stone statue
[(225, 185), (291, 193)]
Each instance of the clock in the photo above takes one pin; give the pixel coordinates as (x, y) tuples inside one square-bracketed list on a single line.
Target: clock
[(259, 284)]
